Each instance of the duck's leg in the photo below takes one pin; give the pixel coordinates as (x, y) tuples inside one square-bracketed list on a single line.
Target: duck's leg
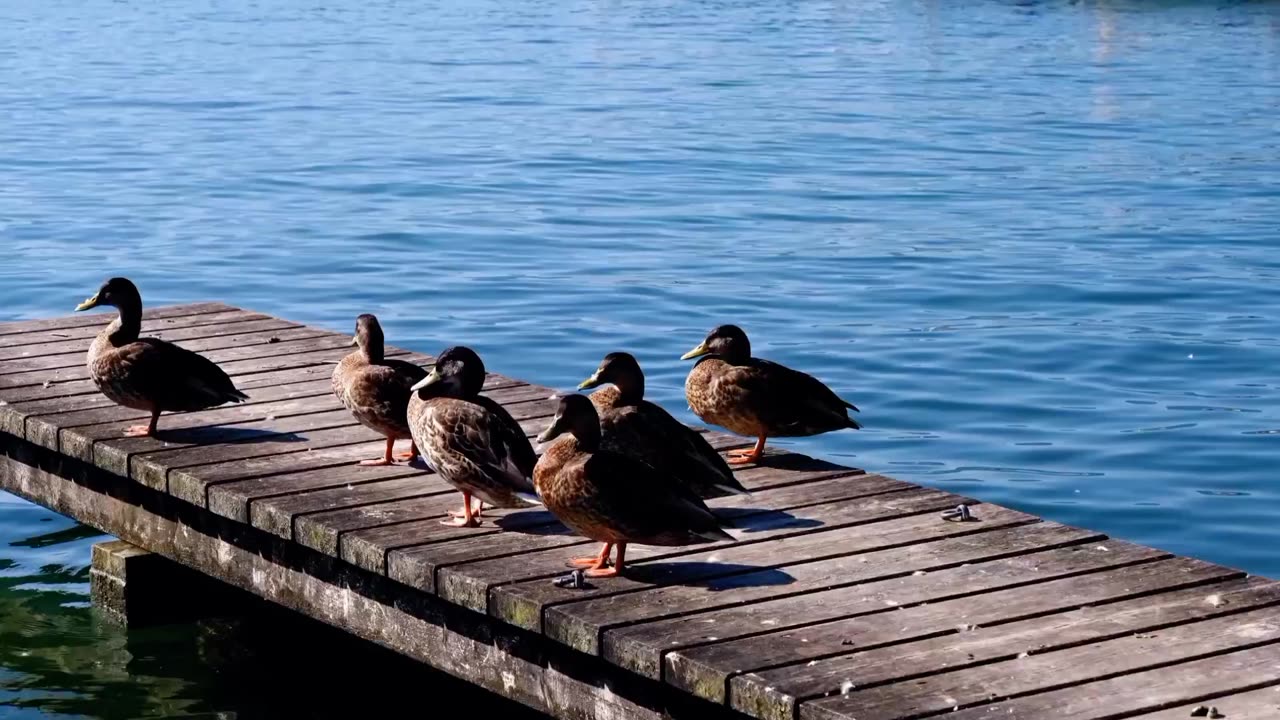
[(610, 571), (742, 457), (147, 430), (386, 456), (413, 452), (594, 562), (466, 518)]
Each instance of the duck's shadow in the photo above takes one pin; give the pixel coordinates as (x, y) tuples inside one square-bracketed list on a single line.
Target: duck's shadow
[(749, 521), (210, 434), (531, 522), (713, 576)]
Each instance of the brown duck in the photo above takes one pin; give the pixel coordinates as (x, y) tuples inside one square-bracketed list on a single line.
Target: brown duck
[(634, 426), (613, 498), (758, 398), (150, 374), (376, 390), (470, 440)]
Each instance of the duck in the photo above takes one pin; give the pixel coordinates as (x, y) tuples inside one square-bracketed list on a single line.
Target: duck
[(376, 390), (149, 374), (472, 442), (610, 497), (758, 398), (634, 426)]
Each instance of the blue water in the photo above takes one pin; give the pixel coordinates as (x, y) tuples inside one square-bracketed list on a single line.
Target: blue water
[(1034, 241)]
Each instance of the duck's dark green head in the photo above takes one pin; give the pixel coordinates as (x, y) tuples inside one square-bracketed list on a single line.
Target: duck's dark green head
[(575, 414), (727, 341), (369, 336), (117, 292), (619, 368), (459, 373)]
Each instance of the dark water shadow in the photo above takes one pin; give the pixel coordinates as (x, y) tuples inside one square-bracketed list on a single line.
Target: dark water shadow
[(71, 534)]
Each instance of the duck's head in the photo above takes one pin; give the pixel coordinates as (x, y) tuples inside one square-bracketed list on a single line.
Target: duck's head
[(458, 373), (369, 336), (575, 414), (727, 341), (117, 292), (620, 369)]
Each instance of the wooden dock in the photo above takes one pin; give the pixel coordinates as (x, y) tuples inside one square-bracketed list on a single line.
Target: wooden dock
[(844, 594)]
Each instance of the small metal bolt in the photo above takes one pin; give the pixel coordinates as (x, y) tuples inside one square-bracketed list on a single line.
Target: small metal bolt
[(575, 580)]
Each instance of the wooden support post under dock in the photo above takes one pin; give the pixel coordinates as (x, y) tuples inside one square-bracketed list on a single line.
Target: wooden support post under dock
[(843, 594)]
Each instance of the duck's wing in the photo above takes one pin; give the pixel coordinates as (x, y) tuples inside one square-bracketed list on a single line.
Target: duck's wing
[(643, 505), (788, 400), (469, 439), (382, 392), (509, 433), (694, 452), (172, 377)]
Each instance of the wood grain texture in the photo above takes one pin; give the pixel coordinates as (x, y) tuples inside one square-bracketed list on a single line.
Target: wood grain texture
[(805, 661), (1261, 704), (970, 631), (767, 513)]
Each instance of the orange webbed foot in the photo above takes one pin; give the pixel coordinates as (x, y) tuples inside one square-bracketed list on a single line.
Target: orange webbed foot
[(375, 462), (744, 459), (602, 572), (462, 522), (587, 562)]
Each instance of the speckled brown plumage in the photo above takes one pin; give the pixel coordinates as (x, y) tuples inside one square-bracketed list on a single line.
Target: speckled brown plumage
[(758, 398), (614, 498), (645, 431), (375, 389), (471, 441), (148, 373)]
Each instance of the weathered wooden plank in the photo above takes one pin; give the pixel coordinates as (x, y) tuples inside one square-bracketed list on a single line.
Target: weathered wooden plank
[(242, 499), (1260, 704), (980, 685), (45, 430), (769, 657), (198, 337), (23, 327), (278, 369), (517, 665), (640, 647), (106, 445), (323, 531), (487, 558), (277, 515), (468, 584), (297, 434), (149, 327), (523, 603), (1186, 683), (230, 359), (959, 633), (19, 405), (821, 562), (258, 475)]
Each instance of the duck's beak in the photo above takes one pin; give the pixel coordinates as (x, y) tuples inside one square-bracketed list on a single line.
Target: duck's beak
[(431, 379), (88, 304), (355, 340), (699, 351), (590, 382), (554, 430)]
